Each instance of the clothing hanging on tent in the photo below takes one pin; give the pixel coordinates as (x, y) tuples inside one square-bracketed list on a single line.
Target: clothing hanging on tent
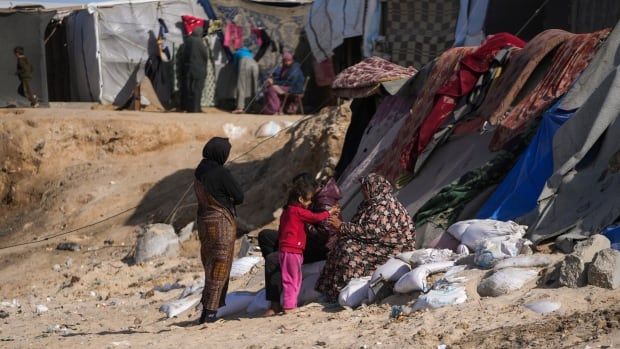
[(392, 165), (570, 59), (324, 74), (329, 22), (470, 24), (233, 36)]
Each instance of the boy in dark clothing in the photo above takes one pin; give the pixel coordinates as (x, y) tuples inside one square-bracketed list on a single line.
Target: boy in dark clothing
[(24, 73)]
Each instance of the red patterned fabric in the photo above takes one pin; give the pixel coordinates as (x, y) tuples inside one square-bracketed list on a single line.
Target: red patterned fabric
[(370, 72), (571, 58), (460, 84), (190, 23), (518, 69), (445, 67)]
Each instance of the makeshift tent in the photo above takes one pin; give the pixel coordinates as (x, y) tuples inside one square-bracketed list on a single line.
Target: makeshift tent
[(24, 28), (518, 193)]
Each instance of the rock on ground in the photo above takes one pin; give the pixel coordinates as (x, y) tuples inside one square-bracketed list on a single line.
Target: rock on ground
[(156, 240), (604, 271), (573, 270)]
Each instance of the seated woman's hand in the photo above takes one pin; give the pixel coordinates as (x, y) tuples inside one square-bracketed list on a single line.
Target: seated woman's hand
[(269, 82), (334, 221)]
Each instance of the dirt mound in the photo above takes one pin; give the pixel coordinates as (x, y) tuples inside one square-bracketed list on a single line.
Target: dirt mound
[(62, 168)]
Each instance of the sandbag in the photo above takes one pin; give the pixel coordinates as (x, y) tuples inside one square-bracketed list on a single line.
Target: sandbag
[(156, 240), (243, 266), (474, 231), (524, 262), (268, 129), (543, 307), (415, 280), (431, 255), (307, 293), (179, 306), (490, 251), (505, 281), (354, 293), (312, 269), (259, 304), (441, 297), (391, 270), (236, 302)]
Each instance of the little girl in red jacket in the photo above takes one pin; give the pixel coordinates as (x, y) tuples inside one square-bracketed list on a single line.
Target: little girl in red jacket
[(292, 240)]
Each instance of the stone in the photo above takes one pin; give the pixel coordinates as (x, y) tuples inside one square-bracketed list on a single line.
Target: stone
[(572, 272), (69, 246), (587, 249), (69, 262), (604, 271), (40, 309), (156, 240), (56, 268), (4, 314)]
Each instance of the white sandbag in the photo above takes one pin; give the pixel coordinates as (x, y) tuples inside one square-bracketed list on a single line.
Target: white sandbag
[(354, 293), (156, 240), (543, 307), (505, 281), (524, 262), (415, 280), (268, 129), (179, 306), (234, 132), (431, 255), (391, 270), (307, 293), (499, 248), (453, 275), (472, 232), (462, 250), (194, 288), (259, 304), (405, 256), (236, 302), (312, 268), (243, 266), (444, 296)]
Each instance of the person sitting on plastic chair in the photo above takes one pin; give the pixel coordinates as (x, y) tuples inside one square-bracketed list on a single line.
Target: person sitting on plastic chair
[(287, 79)]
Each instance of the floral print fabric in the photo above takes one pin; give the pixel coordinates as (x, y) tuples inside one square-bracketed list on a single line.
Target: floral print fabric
[(380, 229)]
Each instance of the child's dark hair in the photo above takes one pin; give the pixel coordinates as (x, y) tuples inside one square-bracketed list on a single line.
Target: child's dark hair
[(302, 189), (305, 177), (19, 50)]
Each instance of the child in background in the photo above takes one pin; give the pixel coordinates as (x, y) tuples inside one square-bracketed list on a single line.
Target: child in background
[(292, 240), (24, 73)]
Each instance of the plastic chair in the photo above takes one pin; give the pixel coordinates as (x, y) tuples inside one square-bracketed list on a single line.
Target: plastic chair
[(298, 98)]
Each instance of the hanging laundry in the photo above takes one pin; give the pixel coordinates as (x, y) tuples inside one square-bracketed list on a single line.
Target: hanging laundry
[(568, 62), (190, 23), (470, 25), (460, 84), (233, 36), (324, 74), (330, 22)]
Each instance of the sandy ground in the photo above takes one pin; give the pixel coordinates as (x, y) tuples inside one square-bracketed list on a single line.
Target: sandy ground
[(108, 161)]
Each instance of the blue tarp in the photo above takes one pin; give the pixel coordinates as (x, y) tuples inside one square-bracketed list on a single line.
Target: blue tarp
[(518, 193), (613, 234)]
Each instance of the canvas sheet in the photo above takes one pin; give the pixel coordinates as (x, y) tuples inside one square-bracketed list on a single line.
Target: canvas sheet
[(83, 60), (581, 197)]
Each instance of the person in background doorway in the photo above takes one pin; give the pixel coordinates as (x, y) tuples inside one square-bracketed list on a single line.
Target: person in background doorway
[(286, 79), (24, 73), (247, 78), (194, 74)]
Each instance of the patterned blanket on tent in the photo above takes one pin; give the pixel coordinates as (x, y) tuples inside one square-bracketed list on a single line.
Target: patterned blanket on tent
[(417, 31), (371, 71)]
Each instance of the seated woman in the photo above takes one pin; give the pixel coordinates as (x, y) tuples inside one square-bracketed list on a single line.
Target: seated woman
[(286, 79), (380, 229), (247, 78)]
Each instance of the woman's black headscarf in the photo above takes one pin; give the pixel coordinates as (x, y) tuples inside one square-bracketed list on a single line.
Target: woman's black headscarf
[(217, 149)]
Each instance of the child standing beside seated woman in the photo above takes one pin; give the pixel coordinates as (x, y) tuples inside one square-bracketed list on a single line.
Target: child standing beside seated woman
[(292, 239)]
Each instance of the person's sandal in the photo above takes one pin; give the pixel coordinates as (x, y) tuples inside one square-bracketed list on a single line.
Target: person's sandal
[(238, 111)]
